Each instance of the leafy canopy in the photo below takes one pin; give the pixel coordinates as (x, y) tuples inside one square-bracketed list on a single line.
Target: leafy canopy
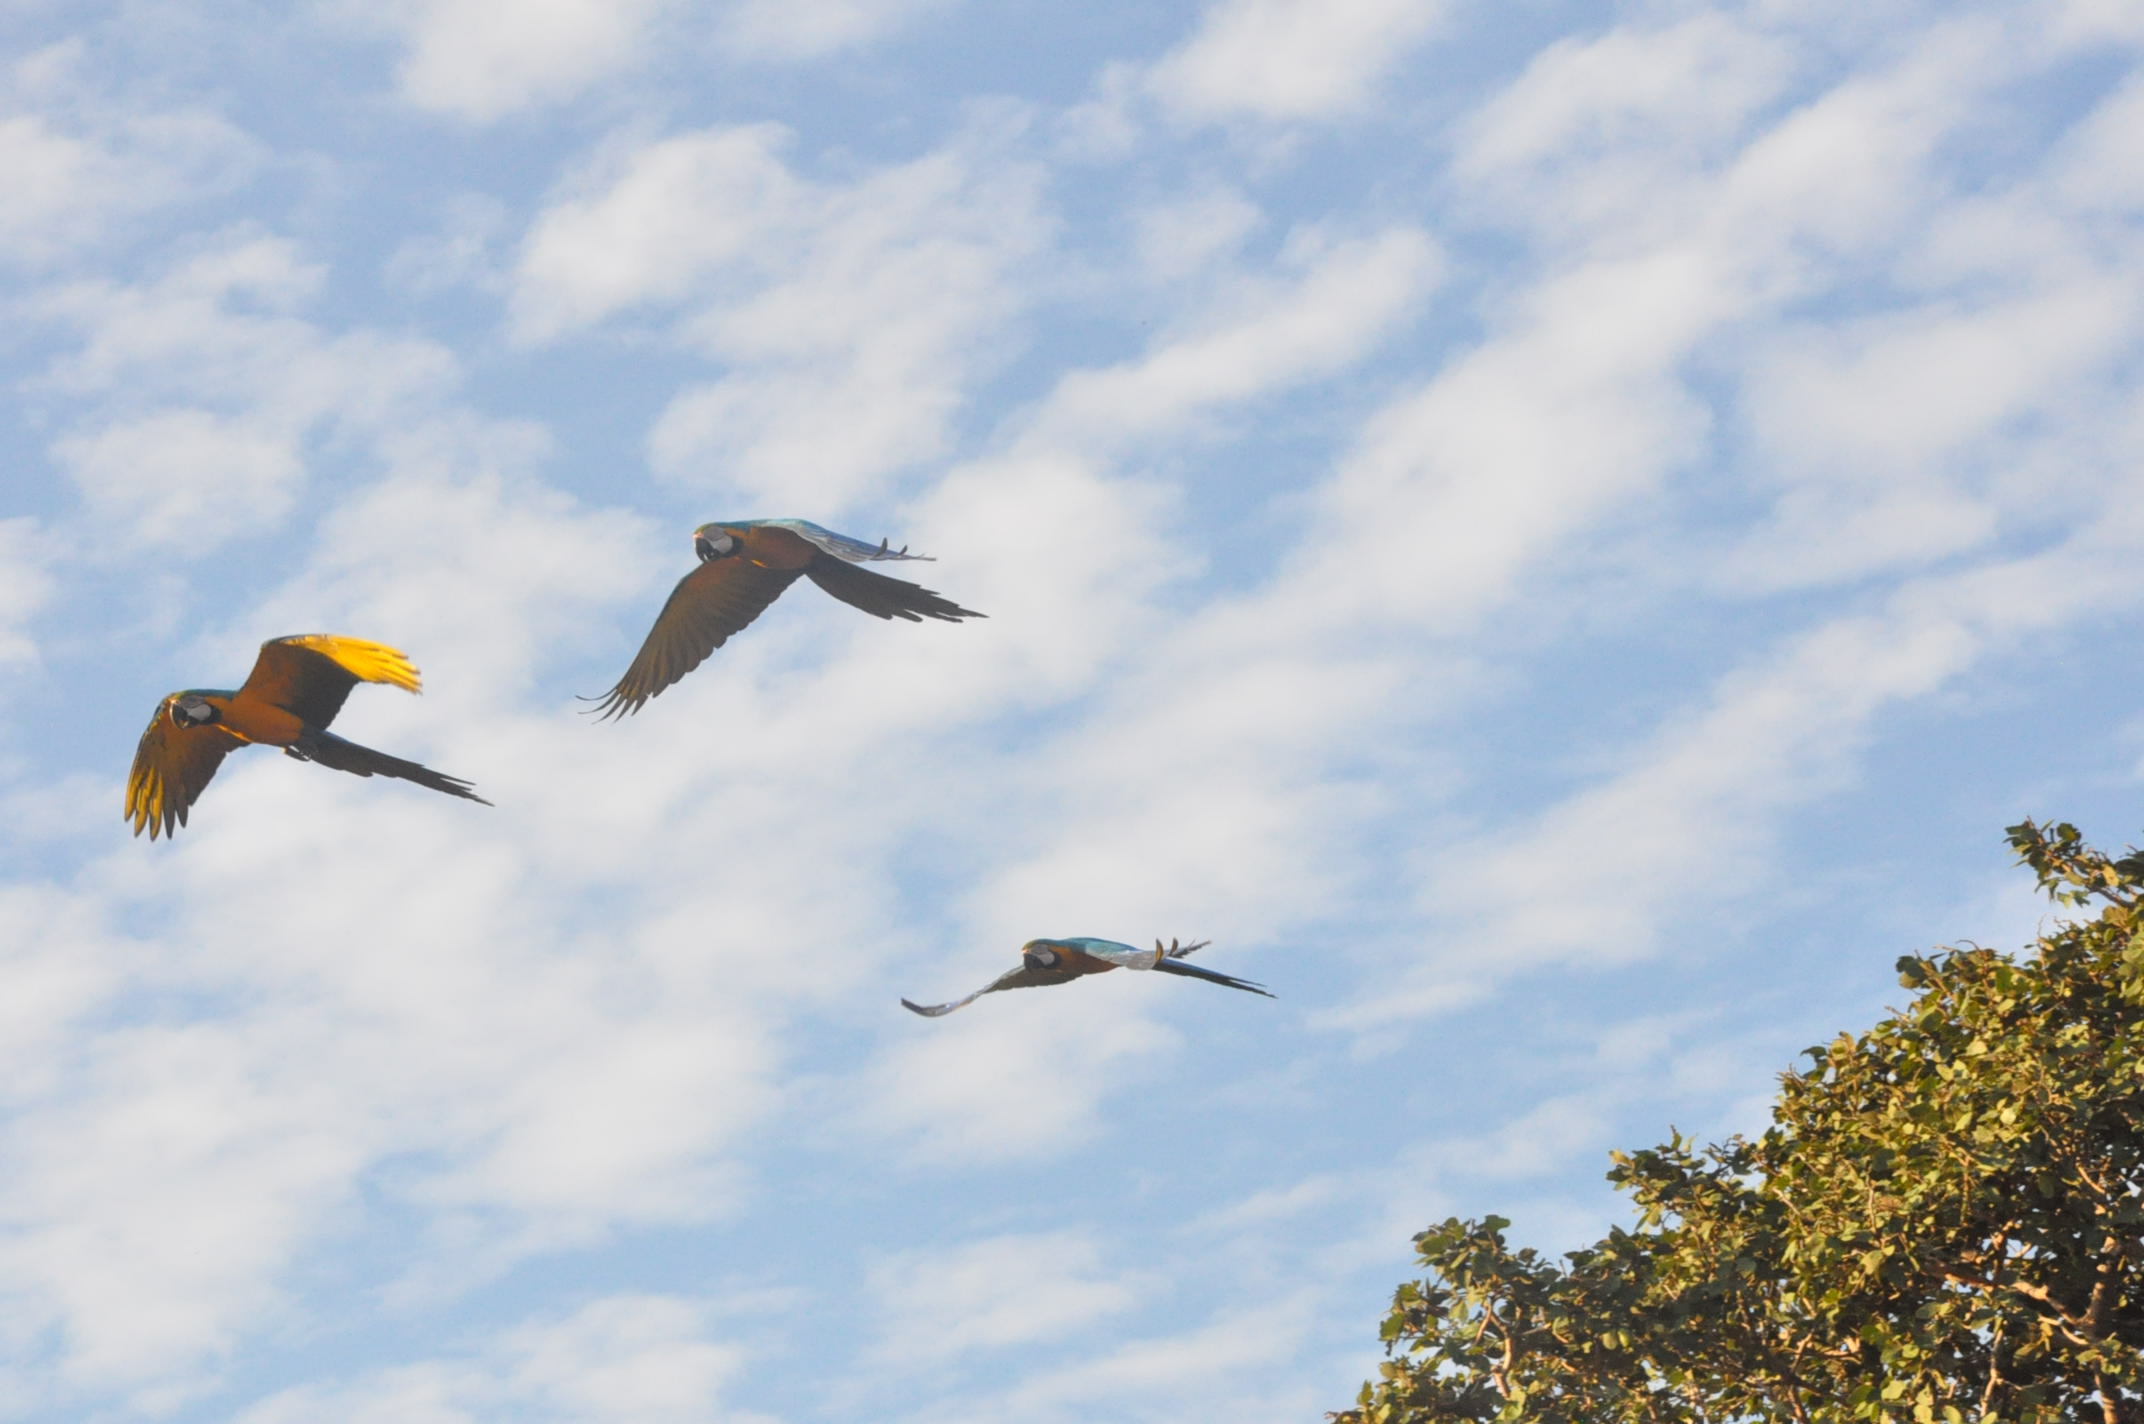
[(1945, 1221)]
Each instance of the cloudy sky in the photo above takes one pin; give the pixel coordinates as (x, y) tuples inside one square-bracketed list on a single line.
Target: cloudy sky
[(1558, 543)]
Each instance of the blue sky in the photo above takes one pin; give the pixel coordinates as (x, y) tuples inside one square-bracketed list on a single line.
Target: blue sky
[(1557, 540)]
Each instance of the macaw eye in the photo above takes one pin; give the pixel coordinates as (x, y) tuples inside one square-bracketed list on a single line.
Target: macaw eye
[(713, 546), (1043, 958), (192, 712)]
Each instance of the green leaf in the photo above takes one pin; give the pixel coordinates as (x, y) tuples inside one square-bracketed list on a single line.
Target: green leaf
[(1990, 1126)]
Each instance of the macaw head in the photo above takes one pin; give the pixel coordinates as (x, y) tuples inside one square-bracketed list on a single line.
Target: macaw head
[(195, 708), (713, 541), (1040, 954)]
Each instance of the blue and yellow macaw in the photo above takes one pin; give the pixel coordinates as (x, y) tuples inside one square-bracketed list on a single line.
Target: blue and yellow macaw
[(744, 566), (1060, 961), (296, 687)]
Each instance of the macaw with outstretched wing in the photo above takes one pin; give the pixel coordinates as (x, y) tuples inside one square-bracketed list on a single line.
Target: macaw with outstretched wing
[(744, 566), (296, 687), (1060, 961)]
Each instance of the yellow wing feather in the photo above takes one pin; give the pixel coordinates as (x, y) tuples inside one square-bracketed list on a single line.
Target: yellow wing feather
[(145, 781), (364, 660)]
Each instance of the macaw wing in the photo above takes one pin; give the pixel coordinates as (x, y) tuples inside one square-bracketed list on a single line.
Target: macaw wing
[(883, 597), (708, 604), (311, 674), (171, 766), (1025, 977), (841, 546)]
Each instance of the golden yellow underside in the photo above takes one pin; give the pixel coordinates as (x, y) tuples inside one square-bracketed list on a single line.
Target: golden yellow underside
[(368, 662), (145, 784)]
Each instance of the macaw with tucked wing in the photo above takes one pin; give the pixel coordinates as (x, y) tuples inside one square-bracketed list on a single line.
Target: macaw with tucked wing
[(744, 566), (296, 687), (1060, 961)]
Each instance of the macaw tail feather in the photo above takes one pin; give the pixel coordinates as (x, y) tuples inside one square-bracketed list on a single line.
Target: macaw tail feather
[(332, 751), (1193, 971)]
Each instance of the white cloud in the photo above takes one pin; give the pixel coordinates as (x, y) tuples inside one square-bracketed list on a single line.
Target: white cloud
[(1456, 489), (1650, 136), (184, 477), (1848, 169), (937, 1304), (1697, 809), (466, 59), (2097, 169), (1217, 1364), (153, 1126), (1177, 237), (470, 59), (65, 191), (458, 252), (643, 1360), (1348, 294), (205, 392), (807, 29), (449, 1051), (78, 166), (1575, 405), (1263, 1209), (1546, 1135), (2086, 21), (884, 303), (989, 1084), (996, 523), (767, 435), (651, 228), (1661, 96), (1290, 59), (621, 1359), (60, 961), (26, 585), (1104, 128), (876, 298), (1966, 408), (621, 1129), (1885, 429)]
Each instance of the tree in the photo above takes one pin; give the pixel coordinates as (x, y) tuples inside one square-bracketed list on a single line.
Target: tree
[(1945, 1221)]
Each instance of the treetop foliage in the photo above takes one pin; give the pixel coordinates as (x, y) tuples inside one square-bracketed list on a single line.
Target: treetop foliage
[(1945, 1221)]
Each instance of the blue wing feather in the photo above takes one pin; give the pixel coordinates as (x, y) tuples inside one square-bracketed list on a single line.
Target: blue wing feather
[(841, 546), (1109, 951), (1090, 945)]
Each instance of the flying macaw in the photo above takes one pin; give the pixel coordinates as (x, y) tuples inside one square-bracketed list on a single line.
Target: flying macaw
[(1060, 961), (744, 566), (296, 687)]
